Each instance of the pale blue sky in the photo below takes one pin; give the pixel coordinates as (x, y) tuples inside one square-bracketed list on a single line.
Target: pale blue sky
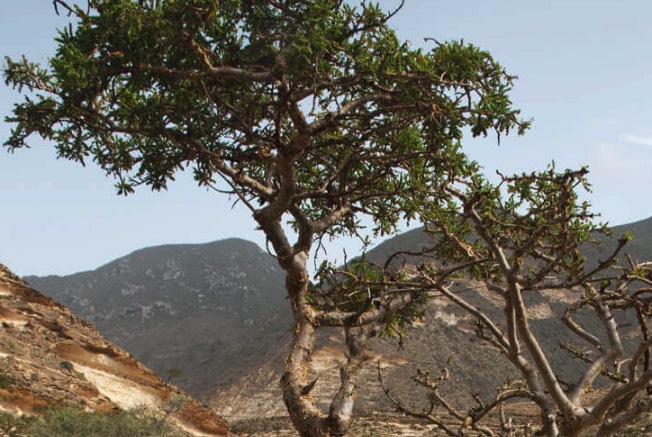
[(585, 76)]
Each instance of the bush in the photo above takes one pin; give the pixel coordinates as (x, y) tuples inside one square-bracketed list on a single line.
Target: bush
[(10, 424), (6, 381), (67, 365), (71, 422)]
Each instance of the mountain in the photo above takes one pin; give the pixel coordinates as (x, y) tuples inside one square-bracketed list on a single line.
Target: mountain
[(641, 245), (51, 357), (203, 314), (640, 248)]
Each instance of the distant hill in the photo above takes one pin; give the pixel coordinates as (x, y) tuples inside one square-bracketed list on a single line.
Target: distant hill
[(49, 357), (640, 248), (204, 314), (641, 245)]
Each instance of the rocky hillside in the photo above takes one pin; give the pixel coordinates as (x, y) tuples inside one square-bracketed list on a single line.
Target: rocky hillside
[(445, 337), (203, 315), (49, 356)]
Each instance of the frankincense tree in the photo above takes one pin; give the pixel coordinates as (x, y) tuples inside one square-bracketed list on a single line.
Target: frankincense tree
[(312, 112)]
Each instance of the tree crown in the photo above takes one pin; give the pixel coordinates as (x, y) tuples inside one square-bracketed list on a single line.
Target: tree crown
[(312, 108)]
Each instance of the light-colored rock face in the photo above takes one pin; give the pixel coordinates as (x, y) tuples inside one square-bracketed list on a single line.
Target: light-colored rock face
[(49, 356), (123, 392)]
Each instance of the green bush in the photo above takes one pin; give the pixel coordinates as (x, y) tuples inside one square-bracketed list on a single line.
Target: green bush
[(67, 365), (6, 381), (75, 422), (8, 422), (13, 426)]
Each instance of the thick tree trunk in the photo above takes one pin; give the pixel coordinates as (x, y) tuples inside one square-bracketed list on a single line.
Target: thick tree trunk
[(305, 415), (307, 418)]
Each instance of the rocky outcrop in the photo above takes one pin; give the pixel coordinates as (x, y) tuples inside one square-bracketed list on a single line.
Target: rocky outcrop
[(48, 356)]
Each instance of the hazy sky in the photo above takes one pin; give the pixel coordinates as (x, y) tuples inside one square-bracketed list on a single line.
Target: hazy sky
[(585, 76)]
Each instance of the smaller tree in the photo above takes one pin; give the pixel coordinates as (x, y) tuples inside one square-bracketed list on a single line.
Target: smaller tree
[(523, 237)]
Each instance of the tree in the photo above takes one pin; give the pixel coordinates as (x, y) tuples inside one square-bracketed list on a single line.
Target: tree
[(523, 237), (312, 112)]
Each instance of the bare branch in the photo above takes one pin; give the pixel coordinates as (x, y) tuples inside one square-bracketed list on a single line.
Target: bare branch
[(381, 308)]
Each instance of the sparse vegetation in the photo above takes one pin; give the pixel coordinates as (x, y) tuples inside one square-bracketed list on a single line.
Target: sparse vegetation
[(174, 403), (75, 422), (643, 428), (8, 345), (6, 381), (67, 366), (12, 426)]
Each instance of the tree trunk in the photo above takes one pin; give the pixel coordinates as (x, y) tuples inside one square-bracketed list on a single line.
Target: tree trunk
[(307, 418), (549, 424)]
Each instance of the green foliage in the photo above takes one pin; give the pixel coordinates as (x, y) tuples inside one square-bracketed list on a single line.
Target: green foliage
[(69, 421), (146, 89), (67, 366), (13, 426), (363, 287), (6, 381), (75, 422), (174, 403), (70, 368), (352, 289), (536, 218)]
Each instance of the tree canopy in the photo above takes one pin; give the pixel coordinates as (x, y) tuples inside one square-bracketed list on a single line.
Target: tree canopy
[(146, 89)]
